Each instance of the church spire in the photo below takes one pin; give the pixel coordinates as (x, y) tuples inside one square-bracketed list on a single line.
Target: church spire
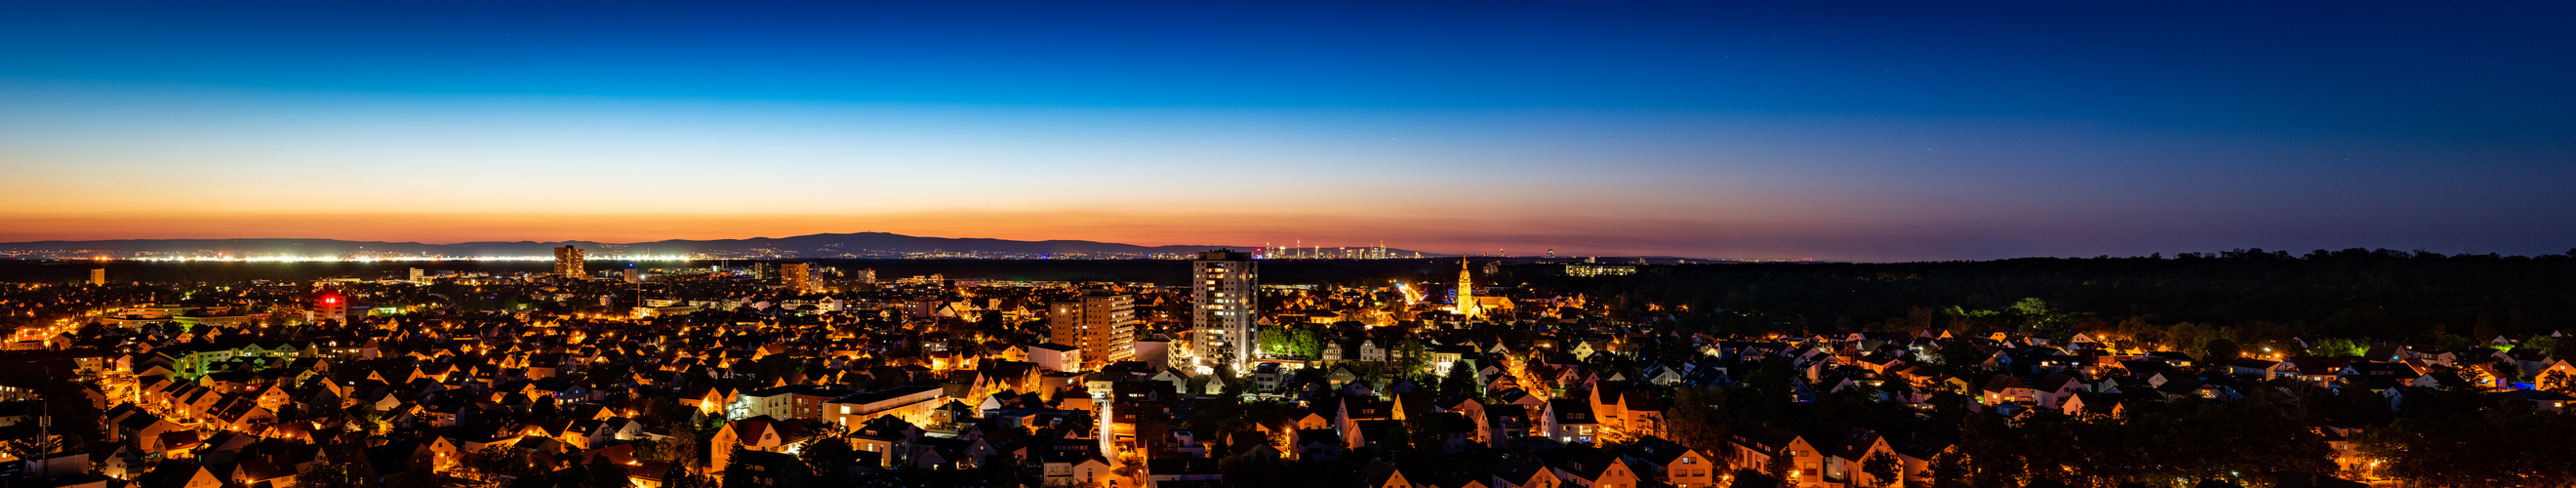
[(1467, 291)]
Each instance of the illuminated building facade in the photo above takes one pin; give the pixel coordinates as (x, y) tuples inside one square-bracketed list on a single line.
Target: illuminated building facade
[(330, 305), (1594, 270), (98, 276), (568, 262), (1303, 251), (1102, 324), (1223, 291), (797, 277)]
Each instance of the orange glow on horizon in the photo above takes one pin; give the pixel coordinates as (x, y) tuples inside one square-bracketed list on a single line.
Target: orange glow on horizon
[(1427, 234)]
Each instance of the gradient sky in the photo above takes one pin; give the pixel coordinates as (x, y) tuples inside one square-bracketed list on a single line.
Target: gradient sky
[(1832, 130)]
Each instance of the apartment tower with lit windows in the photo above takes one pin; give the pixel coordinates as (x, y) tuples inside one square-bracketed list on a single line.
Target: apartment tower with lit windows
[(568, 262), (1224, 287), (1101, 323), (797, 277)]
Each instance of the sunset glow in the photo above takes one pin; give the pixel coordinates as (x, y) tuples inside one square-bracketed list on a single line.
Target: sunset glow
[(1651, 130)]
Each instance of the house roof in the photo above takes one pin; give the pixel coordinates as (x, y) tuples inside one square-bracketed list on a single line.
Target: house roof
[(1765, 437), (1378, 473), (2540, 395), (170, 474), (1747, 478), (1571, 411), (2251, 363), (2001, 382), (1054, 347), (1857, 443), (1921, 447), (1181, 466), (1587, 463), (1315, 436)]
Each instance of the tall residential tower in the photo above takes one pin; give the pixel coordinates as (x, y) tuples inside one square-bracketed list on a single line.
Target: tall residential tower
[(1102, 324), (1224, 287), (568, 262), (797, 277)]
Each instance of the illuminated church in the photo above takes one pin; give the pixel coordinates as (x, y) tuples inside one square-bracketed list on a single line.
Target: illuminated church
[(1476, 307)]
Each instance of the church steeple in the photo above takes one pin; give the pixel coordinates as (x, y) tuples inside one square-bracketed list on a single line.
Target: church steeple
[(1467, 291)]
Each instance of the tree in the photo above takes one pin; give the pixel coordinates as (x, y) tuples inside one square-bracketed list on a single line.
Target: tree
[(2555, 381), (1277, 341), (494, 466), (603, 474), (1771, 389), (1992, 451), (1461, 381), (1412, 356), (2335, 348), (2480, 447), (1779, 465), (698, 443), (1698, 418), (1309, 341), (1882, 469), (575, 476), (32, 448), (1948, 467), (2219, 351), (2447, 342), (1959, 352), (2035, 315), (333, 475), (2249, 441), (1424, 435), (77, 420), (2186, 336), (1671, 350), (363, 414)]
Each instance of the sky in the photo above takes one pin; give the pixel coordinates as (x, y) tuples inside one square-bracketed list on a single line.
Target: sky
[(1868, 131)]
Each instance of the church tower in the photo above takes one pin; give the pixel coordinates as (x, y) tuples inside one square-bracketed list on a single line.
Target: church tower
[(1467, 291)]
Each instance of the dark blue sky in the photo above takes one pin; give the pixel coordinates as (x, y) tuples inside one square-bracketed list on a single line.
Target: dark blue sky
[(1851, 130)]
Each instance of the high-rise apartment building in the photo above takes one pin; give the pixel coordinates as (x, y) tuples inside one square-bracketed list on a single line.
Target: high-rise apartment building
[(568, 262), (1102, 324), (98, 276), (865, 276), (418, 276), (1224, 289), (797, 277)]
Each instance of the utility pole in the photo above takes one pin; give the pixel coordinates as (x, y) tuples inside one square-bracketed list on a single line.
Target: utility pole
[(44, 435)]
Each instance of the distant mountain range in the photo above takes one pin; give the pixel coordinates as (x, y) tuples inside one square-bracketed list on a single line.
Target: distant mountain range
[(856, 245)]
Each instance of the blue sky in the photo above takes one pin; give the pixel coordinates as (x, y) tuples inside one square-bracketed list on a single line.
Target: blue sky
[(1839, 130)]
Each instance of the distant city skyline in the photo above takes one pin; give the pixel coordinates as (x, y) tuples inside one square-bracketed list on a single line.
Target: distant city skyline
[(1850, 131)]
